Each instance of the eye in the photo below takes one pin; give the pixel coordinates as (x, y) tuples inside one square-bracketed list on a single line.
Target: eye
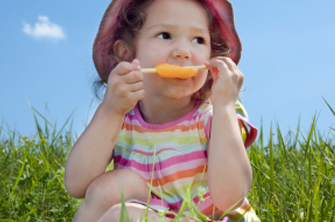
[(164, 35), (199, 40)]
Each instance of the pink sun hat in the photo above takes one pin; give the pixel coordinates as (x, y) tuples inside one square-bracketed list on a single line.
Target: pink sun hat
[(221, 9)]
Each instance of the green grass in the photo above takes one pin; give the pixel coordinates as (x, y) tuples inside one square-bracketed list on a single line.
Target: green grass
[(294, 176)]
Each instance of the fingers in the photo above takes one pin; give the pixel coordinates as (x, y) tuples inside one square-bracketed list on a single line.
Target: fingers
[(228, 62), (124, 87), (129, 72), (228, 80), (221, 64), (133, 87), (132, 77), (123, 68), (222, 67), (128, 76)]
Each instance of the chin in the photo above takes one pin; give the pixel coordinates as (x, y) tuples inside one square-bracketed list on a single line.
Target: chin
[(180, 96)]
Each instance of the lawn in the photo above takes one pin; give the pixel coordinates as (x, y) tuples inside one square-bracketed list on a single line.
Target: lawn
[(294, 175)]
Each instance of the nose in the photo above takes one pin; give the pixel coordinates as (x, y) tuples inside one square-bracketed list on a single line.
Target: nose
[(182, 50)]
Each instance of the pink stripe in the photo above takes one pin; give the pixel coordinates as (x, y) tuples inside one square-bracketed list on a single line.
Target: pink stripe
[(157, 202), (204, 204), (169, 170), (163, 164), (208, 127), (131, 120), (165, 125)]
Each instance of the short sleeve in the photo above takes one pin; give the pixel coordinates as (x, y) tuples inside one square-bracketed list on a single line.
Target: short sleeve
[(249, 132)]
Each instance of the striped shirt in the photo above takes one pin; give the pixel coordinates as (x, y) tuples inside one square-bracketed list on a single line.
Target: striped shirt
[(174, 155)]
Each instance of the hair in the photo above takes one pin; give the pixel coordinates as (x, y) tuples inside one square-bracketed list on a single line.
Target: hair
[(129, 22)]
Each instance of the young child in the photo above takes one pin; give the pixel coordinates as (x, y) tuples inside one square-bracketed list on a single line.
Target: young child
[(196, 128)]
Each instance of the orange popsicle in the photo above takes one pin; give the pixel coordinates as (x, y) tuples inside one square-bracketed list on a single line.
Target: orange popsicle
[(166, 70)]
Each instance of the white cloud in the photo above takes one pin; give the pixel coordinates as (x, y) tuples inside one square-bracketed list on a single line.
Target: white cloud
[(44, 29)]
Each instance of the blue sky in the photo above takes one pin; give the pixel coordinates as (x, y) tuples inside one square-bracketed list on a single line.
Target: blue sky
[(287, 60)]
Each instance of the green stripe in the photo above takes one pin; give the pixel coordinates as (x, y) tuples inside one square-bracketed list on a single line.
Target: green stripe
[(151, 142)]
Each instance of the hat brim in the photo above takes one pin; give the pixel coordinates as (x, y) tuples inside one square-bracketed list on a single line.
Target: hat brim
[(104, 39)]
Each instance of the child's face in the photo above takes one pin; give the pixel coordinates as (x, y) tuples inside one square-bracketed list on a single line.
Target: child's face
[(174, 32)]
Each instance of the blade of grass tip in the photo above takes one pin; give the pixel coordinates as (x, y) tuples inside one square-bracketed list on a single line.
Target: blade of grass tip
[(184, 204), (201, 217), (331, 109), (39, 129), (47, 108), (261, 138), (89, 108), (297, 135), (188, 199), (229, 209), (272, 174), (60, 131), (309, 152), (281, 145), (152, 177), (43, 117), (242, 216), (1, 127), (70, 130), (123, 209), (325, 154), (19, 176)]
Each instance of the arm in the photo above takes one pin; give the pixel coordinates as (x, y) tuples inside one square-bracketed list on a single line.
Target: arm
[(229, 171), (92, 152)]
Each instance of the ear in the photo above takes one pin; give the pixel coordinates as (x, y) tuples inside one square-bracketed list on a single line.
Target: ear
[(121, 50)]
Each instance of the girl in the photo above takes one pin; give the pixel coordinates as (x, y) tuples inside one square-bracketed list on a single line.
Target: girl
[(194, 127)]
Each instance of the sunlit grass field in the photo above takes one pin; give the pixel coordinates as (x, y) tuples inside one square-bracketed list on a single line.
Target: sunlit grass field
[(294, 175)]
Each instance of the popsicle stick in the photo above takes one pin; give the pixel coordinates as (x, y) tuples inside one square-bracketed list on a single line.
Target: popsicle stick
[(148, 70), (153, 70), (195, 67)]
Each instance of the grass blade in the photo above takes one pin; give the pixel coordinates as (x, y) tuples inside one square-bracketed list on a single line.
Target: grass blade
[(19, 176), (331, 109), (272, 174)]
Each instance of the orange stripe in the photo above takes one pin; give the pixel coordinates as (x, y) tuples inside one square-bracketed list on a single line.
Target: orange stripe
[(176, 176), (246, 207), (209, 210), (183, 128)]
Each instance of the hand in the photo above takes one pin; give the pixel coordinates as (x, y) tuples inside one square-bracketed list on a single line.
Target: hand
[(228, 80), (124, 87)]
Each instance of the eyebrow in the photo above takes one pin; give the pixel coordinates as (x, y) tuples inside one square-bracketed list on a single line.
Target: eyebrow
[(166, 25)]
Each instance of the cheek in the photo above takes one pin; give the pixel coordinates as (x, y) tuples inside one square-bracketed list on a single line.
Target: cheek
[(203, 77), (150, 80), (148, 56)]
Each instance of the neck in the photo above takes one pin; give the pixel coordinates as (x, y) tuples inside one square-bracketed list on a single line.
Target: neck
[(164, 111)]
